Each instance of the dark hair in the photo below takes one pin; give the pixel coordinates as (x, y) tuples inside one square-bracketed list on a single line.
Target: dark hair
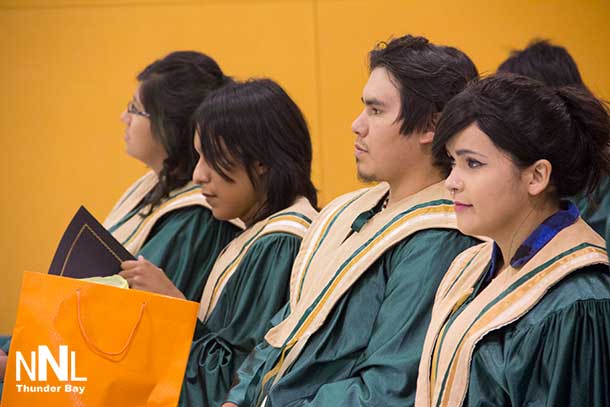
[(548, 63), (171, 89), (252, 122), (426, 75), (530, 121)]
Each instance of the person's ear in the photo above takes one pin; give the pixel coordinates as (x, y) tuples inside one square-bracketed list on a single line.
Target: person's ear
[(538, 177), (427, 136), (260, 168)]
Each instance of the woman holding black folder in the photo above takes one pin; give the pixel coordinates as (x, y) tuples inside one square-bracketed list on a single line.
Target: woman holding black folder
[(162, 217)]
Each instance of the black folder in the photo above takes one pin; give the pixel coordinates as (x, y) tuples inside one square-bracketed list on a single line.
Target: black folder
[(87, 249)]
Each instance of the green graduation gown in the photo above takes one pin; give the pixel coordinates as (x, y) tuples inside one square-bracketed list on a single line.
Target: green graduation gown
[(248, 285), (363, 330), (536, 335)]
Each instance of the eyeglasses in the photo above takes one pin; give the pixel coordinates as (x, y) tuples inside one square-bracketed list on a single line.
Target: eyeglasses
[(131, 108)]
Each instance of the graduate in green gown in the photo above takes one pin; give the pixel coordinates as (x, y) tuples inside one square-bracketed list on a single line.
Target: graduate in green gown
[(163, 217), (254, 164), (523, 320), (364, 280), (553, 65)]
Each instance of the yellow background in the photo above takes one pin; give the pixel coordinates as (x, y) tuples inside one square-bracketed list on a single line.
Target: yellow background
[(68, 69)]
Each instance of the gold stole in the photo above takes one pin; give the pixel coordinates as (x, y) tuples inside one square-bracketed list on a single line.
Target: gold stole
[(330, 262), (445, 365), (133, 233), (294, 220)]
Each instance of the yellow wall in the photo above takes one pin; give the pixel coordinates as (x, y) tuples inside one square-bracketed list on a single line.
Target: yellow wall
[(68, 69)]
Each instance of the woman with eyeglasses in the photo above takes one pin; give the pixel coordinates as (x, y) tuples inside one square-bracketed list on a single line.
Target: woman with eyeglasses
[(523, 320), (162, 218)]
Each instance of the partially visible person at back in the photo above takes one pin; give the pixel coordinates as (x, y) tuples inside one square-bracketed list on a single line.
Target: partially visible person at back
[(553, 65)]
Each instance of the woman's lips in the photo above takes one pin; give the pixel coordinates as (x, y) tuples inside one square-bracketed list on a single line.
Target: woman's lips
[(460, 206)]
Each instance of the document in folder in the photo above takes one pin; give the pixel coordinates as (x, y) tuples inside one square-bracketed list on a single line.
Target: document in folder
[(87, 249)]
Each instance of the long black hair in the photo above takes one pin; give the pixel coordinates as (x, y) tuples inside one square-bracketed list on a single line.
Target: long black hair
[(530, 121), (252, 122), (171, 88)]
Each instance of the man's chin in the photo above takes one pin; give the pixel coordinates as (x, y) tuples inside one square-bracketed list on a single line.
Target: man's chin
[(366, 178)]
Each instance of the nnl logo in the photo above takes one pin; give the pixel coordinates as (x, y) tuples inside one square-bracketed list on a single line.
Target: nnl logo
[(38, 371)]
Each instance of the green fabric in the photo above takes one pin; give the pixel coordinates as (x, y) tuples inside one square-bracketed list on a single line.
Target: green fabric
[(557, 355), (253, 295), (596, 211), (185, 244), (5, 343), (367, 353)]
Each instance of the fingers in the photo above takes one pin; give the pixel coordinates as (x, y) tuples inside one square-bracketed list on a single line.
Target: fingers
[(129, 264)]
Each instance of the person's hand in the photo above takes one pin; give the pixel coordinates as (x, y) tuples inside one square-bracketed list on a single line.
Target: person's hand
[(229, 405), (143, 275), (3, 361)]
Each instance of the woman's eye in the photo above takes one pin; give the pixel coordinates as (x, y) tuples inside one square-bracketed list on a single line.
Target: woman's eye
[(472, 163), (375, 111)]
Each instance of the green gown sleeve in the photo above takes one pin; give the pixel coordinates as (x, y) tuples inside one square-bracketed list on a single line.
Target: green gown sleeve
[(185, 244), (250, 374), (253, 295), (561, 359), (386, 374)]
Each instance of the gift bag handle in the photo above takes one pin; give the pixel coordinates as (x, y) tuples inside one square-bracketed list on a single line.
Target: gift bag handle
[(90, 342)]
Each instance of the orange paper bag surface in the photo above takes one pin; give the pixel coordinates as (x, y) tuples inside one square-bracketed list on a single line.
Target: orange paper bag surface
[(77, 343)]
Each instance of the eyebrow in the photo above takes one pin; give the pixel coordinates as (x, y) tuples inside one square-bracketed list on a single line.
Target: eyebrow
[(464, 151), (372, 102)]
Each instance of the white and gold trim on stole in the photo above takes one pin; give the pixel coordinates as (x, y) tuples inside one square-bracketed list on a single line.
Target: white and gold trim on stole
[(445, 364), (134, 231), (331, 259), (294, 220)]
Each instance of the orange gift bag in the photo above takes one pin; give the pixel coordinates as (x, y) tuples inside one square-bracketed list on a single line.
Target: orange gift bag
[(77, 343)]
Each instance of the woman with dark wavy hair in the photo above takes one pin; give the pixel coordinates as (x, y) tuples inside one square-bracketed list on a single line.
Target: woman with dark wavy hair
[(163, 218), (523, 320)]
